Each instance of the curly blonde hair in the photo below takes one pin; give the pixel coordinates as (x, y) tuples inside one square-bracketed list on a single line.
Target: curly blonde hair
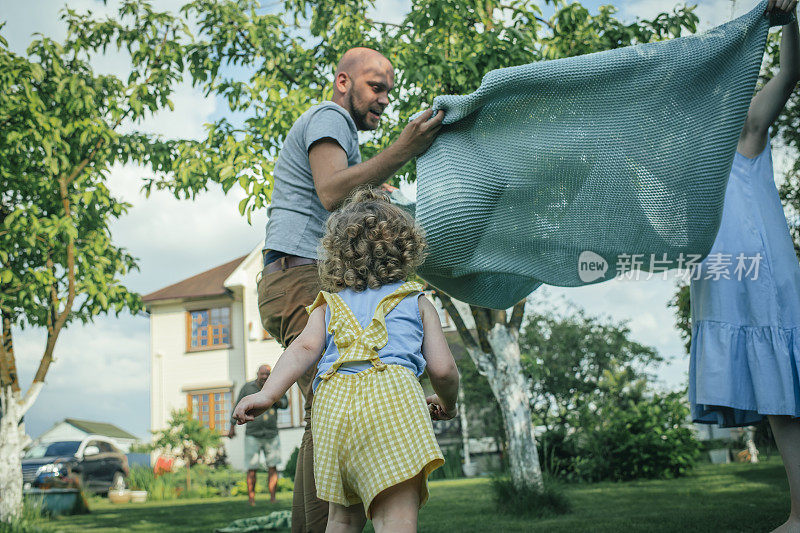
[(369, 242)]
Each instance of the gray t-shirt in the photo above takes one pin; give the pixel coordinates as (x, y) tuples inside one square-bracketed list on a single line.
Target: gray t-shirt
[(296, 216), (265, 426)]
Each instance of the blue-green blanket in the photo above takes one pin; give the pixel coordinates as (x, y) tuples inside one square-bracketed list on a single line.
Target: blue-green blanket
[(594, 158)]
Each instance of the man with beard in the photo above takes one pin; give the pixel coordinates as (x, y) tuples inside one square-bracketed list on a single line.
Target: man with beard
[(262, 446), (318, 167)]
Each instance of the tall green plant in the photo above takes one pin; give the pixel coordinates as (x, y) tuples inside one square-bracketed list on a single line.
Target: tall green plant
[(187, 439)]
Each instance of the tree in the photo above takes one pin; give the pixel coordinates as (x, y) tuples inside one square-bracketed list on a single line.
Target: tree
[(188, 439), (590, 391), (567, 359), (59, 135), (270, 67)]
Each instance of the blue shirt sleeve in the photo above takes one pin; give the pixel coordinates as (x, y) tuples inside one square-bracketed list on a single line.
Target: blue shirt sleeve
[(329, 123)]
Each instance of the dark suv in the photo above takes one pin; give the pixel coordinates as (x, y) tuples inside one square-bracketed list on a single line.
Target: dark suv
[(94, 464)]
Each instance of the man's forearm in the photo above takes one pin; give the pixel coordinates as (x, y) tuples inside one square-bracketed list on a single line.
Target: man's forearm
[(372, 172)]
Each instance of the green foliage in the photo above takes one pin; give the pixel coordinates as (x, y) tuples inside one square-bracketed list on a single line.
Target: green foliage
[(187, 438), (291, 464), (680, 302), (30, 520), (452, 468), (638, 438), (590, 391), (529, 501), (207, 482), (569, 359), (57, 144), (284, 485)]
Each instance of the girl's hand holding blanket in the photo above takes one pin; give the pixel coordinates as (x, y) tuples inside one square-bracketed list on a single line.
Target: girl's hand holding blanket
[(438, 410), (250, 407)]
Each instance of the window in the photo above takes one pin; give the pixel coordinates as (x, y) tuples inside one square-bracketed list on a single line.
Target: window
[(211, 408), (208, 328), (285, 418), (105, 447)]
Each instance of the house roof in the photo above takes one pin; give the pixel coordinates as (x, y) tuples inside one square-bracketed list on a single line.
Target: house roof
[(203, 285), (100, 428)]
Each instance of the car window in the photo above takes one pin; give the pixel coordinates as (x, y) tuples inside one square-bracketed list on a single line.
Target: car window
[(51, 449), (105, 447), (36, 451), (94, 443)]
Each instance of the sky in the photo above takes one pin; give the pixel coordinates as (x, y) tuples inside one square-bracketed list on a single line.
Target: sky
[(101, 371)]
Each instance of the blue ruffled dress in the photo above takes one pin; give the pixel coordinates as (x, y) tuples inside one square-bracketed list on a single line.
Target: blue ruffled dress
[(745, 350)]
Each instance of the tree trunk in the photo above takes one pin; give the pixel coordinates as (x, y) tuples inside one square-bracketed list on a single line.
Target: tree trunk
[(11, 442), (468, 469), (512, 393), (497, 357)]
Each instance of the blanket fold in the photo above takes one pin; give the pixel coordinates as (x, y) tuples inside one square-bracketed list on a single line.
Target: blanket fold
[(598, 157)]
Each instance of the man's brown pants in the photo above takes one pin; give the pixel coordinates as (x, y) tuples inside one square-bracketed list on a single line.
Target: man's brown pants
[(282, 298)]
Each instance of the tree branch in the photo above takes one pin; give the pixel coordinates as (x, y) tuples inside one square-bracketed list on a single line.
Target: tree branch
[(483, 324), (61, 317), (515, 322), (463, 332), (540, 19), (8, 365)]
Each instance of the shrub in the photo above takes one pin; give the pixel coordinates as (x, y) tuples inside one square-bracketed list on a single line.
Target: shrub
[(291, 464), (530, 501), (558, 452), (452, 468), (648, 438)]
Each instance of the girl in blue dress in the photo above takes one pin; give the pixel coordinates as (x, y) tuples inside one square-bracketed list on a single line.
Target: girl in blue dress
[(745, 300)]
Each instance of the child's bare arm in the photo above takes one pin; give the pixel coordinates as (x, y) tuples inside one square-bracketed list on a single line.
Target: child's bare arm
[(441, 366), (293, 363)]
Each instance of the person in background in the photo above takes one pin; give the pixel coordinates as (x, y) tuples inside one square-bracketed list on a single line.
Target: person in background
[(262, 445)]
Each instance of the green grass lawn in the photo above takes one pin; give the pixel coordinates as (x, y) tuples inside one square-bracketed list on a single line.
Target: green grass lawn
[(735, 497)]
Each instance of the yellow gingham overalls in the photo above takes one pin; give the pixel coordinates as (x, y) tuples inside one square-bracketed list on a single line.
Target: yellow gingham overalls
[(372, 429)]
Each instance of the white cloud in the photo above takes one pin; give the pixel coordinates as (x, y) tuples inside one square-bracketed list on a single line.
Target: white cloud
[(393, 11)]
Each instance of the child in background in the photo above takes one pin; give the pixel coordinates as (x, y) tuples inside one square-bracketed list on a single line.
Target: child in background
[(371, 337)]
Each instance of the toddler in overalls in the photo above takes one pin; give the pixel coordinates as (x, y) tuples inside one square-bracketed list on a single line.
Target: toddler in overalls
[(372, 334)]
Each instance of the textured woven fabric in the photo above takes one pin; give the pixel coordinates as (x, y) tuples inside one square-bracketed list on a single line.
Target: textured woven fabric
[(616, 153), (372, 429)]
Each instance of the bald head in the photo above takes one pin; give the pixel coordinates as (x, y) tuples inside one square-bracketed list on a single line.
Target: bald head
[(263, 374), (363, 80), (358, 61)]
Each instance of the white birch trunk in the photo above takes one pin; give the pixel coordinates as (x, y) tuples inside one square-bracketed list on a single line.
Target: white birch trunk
[(11, 443), (468, 469), (512, 393)]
